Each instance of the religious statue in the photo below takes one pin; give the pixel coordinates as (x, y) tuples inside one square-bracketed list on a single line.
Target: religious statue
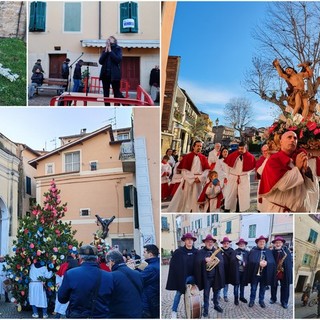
[(104, 224), (298, 97)]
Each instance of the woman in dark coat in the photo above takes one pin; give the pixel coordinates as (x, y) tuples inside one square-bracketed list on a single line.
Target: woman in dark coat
[(110, 73), (181, 270)]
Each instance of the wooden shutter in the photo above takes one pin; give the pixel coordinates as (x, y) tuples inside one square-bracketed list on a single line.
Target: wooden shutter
[(124, 14), (37, 16), (134, 16)]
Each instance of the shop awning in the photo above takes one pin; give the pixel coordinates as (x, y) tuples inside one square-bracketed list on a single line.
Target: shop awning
[(122, 43)]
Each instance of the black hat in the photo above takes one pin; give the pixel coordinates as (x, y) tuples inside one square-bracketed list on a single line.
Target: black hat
[(88, 250)]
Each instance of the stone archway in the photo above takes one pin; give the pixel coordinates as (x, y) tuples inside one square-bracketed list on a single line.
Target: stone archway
[(4, 228)]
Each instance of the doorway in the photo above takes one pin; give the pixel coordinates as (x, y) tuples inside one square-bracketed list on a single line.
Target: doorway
[(55, 64), (301, 283), (130, 70), (4, 228)]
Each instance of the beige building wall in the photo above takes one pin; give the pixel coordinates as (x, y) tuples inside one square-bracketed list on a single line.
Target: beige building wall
[(305, 272), (100, 191), (71, 45), (169, 237), (235, 227), (9, 182), (167, 19)]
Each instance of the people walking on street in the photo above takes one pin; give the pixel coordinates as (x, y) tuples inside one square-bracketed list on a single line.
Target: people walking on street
[(166, 170), (77, 76), (3, 279), (306, 294)]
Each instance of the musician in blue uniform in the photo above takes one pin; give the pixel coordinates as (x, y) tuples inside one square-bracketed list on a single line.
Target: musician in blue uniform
[(181, 270), (284, 272), (242, 261), (261, 270), (207, 279)]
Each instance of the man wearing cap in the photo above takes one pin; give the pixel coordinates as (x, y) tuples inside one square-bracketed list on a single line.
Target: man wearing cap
[(237, 193), (214, 278), (287, 179), (194, 169), (87, 288), (230, 266), (126, 298), (242, 259), (261, 270), (37, 65), (181, 270), (283, 260)]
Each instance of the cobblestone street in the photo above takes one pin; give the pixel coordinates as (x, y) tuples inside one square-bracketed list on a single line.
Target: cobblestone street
[(230, 310)]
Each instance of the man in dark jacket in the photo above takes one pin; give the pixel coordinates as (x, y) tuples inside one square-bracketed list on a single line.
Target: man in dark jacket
[(261, 270), (36, 81), (207, 279), (181, 270), (110, 73), (154, 83), (151, 283), (283, 260), (87, 288), (77, 76), (126, 298), (242, 260)]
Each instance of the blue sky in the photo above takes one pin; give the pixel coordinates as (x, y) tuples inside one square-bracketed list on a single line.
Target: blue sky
[(214, 40), (39, 127)]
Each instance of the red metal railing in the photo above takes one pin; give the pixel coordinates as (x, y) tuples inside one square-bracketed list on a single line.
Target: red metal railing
[(96, 86), (143, 99)]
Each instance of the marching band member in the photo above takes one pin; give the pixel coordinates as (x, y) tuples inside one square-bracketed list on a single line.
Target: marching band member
[(209, 277), (181, 270), (230, 266), (283, 260), (242, 260), (261, 270)]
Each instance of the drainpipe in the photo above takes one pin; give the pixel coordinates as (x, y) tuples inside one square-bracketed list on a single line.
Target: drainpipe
[(19, 18), (99, 36)]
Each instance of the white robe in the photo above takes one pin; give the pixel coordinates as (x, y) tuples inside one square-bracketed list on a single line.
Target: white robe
[(60, 307), (186, 197), (177, 177), (233, 189), (3, 276), (222, 169), (212, 156), (37, 294), (291, 192), (313, 200), (262, 207), (212, 198), (165, 168)]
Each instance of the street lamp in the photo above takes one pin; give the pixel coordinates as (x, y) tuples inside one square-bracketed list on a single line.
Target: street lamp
[(217, 123)]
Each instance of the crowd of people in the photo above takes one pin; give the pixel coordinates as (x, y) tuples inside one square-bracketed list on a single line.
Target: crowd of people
[(212, 267), (221, 181), (91, 285)]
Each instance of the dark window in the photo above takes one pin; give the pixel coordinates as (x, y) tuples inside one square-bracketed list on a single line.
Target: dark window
[(93, 165), (164, 224), (129, 17), (37, 16), (84, 212), (28, 186)]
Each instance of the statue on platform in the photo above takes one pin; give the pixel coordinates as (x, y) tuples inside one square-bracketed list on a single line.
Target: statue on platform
[(298, 96), (105, 223)]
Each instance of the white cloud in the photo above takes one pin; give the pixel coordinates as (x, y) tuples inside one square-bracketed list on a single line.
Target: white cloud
[(205, 94)]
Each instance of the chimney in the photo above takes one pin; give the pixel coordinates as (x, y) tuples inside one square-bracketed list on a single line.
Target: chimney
[(83, 131)]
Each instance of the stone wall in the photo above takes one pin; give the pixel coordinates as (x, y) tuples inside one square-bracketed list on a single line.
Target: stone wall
[(13, 19)]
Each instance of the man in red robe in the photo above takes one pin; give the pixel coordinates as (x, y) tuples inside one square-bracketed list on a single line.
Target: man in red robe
[(237, 194), (287, 179), (194, 169)]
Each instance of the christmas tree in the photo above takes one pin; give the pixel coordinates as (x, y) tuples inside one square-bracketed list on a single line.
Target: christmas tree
[(42, 237)]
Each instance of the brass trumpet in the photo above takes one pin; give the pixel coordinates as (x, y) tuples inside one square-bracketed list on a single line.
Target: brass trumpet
[(262, 257), (132, 264)]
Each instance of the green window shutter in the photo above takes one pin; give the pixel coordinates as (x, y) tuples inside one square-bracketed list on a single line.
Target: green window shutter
[(32, 16), (37, 16), (134, 16), (124, 14)]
